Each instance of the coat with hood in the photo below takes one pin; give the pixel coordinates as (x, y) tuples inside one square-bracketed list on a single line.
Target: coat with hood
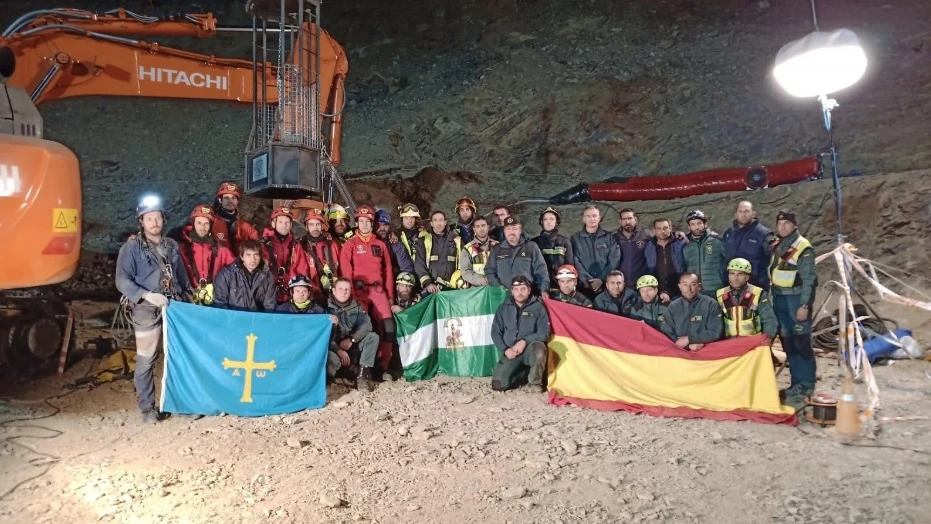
[(354, 322), (229, 229), (236, 288), (596, 254), (753, 242), (556, 249), (203, 257)]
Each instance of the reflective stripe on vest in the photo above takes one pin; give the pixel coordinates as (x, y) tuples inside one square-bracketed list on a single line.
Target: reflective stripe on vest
[(742, 318), (478, 256), (786, 269)]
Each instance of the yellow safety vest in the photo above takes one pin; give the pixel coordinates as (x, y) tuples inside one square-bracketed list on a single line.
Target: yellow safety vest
[(407, 245), (741, 314), (478, 256), (786, 269), (452, 259)]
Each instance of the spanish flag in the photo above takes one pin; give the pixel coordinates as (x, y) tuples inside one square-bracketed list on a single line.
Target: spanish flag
[(602, 361)]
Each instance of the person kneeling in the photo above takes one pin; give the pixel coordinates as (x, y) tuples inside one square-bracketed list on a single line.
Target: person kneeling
[(301, 300), (519, 330), (693, 319), (649, 308), (353, 345), (567, 277)]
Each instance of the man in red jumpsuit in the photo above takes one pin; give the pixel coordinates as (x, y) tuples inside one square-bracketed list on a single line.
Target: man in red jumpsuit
[(286, 258), (201, 254), (322, 256), (231, 229), (366, 262)]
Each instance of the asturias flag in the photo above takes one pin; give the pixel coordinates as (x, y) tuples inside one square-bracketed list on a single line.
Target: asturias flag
[(450, 333), (242, 363), (602, 361)]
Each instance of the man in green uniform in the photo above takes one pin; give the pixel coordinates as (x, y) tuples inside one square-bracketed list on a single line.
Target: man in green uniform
[(649, 308), (693, 319), (567, 277), (704, 253), (747, 308), (793, 283), (617, 298), (519, 330)]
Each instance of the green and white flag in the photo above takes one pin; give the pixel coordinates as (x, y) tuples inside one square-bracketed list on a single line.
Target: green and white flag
[(450, 333)]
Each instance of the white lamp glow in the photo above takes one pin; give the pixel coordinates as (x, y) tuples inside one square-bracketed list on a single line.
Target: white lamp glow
[(820, 64)]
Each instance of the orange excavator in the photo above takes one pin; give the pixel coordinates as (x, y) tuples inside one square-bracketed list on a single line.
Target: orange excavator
[(60, 53)]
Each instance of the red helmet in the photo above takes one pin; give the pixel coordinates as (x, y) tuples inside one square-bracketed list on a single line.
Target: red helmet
[(314, 214), (203, 211), (229, 188), (283, 211), (366, 212)]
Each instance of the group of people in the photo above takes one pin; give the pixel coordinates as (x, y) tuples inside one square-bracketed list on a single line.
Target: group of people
[(695, 287)]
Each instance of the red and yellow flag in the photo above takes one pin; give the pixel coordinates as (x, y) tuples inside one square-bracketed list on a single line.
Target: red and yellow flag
[(602, 361)]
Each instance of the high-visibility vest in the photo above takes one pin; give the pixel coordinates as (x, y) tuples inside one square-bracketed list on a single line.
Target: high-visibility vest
[(741, 314), (408, 245), (428, 248), (785, 269), (478, 255)]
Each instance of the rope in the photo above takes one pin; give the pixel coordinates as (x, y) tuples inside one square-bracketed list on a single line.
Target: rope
[(825, 331)]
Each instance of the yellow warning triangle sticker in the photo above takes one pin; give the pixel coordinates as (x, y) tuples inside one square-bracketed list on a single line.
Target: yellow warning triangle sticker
[(60, 222)]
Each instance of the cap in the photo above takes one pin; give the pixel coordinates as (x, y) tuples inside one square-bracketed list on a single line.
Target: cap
[(281, 211), (511, 220), (550, 209), (521, 280), (409, 210), (229, 188), (382, 217), (314, 214), (566, 271), (202, 211), (366, 212), (148, 204), (740, 264), (299, 280), (785, 214), (405, 278)]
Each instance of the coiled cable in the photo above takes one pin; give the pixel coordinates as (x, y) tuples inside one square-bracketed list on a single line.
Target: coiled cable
[(825, 331)]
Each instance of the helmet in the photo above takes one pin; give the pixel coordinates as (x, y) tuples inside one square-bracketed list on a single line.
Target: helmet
[(550, 209), (282, 211), (405, 278), (465, 201), (299, 280), (456, 281), (647, 281), (566, 271), (382, 217), (202, 211), (336, 211), (229, 188), (740, 264), (409, 210), (314, 214), (366, 212), (148, 204), (696, 214)]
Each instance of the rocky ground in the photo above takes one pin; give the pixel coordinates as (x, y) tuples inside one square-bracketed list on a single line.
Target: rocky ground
[(509, 102)]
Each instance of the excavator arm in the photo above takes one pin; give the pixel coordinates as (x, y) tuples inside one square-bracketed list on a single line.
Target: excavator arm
[(62, 53)]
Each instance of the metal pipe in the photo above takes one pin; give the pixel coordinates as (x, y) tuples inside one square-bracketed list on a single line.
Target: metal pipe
[(232, 29), (814, 15), (255, 85)]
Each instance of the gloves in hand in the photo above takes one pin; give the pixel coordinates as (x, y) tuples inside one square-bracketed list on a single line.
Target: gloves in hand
[(156, 299)]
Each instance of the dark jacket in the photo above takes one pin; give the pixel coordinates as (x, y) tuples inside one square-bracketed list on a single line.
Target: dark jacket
[(753, 242), (465, 231), (437, 257), (704, 256), (138, 270), (400, 258), (354, 322), (289, 307), (633, 259), (556, 249), (678, 260), (506, 262), (596, 255), (701, 320), (235, 288), (529, 323), (497, 233), (577, 299), (806, 281), (653, 313), (617, 306)]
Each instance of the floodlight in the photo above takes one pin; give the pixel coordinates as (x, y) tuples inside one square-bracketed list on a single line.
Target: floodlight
[(820, 64)]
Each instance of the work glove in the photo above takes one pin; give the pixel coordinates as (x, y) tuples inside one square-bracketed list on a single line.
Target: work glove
[(156, 299)]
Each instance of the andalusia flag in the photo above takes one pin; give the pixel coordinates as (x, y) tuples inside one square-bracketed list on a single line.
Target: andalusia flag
[(601, 361), (450, 333)]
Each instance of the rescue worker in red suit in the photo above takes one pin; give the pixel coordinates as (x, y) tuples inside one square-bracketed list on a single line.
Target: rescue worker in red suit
[(231, 229), (286, 258), (366, 262), (201, 254), (322, 256)]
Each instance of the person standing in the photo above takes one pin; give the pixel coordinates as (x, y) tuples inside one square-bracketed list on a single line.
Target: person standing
[(437, 255), (231, 228), (516, 256), (284, 253), (401, 261), (474, 255), (202, 255), (465, 212), (596, 252), (149, 272), (793, 283), (704, 253), (631, 240), (411, 231), (749, 239), (664, 259), (556, 248), (322, 254)]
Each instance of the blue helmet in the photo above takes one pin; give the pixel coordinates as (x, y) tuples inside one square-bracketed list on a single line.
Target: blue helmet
[(382, 217)]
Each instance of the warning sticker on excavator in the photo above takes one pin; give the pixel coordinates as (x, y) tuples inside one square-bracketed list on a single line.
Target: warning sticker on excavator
[(64, 220)]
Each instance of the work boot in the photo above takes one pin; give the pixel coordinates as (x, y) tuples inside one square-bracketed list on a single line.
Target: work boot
[(363, 380), (149, 416), (537, 368)]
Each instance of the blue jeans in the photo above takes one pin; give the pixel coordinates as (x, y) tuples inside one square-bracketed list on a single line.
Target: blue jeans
[(796, 340)]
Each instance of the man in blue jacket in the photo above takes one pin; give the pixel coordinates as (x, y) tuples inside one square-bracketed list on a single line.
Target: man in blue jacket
[(632, 240), (149, 272), (751, 240)]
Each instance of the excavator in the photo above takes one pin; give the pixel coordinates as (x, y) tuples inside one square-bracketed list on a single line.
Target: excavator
[(55, 54)]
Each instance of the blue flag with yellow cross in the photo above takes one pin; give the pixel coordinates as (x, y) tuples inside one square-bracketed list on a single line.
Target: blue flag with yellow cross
[(243, 363)]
